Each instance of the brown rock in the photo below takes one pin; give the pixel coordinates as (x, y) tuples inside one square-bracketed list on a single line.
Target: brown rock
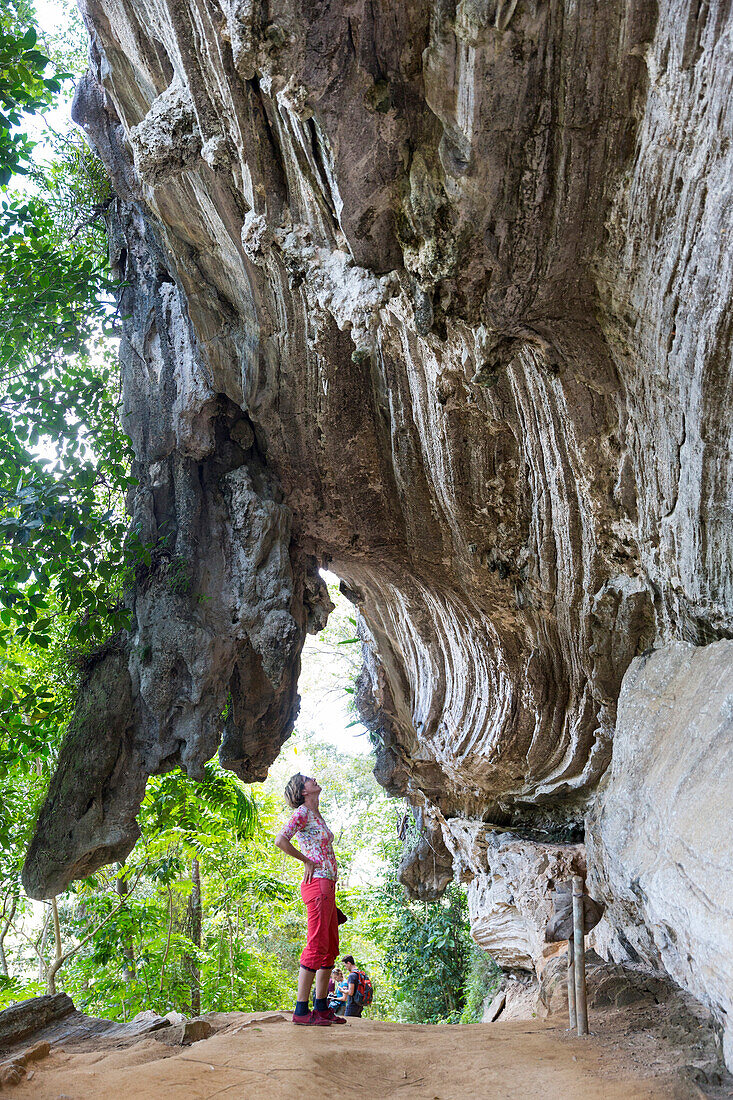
[(192, 1031), (37, 1052), (11, 1072)]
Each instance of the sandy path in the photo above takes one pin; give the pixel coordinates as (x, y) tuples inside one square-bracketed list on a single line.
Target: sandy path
[(271, 1060)]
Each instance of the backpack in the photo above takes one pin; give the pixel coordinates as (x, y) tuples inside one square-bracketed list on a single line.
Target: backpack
[(363, 990)]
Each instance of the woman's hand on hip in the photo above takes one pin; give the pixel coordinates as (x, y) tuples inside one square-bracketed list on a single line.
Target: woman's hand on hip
[(310, 867)]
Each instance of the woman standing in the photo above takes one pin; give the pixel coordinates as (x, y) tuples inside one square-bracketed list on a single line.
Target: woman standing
[(318, 890)]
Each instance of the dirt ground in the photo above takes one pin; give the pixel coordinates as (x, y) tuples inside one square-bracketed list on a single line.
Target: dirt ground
[(263, 1056)]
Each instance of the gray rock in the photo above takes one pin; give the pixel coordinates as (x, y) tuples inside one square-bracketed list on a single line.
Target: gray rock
[(175, 1018), (660, 832), (149, 1020), (562, 923), (516, 999), (426, 869), (23, 1019), (510, 886)]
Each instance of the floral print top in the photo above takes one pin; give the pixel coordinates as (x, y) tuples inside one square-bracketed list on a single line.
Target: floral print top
[(315, 840)]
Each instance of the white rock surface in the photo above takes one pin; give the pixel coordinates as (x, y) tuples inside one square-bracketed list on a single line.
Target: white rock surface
[(517, 999), (661, 835), (510, 883)]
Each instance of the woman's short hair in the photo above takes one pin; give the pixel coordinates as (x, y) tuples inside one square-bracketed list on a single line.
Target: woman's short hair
[(295, 790)]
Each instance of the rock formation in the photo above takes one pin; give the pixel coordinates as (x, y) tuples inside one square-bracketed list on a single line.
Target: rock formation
[(660, 834), (510, 881), (438, 294)]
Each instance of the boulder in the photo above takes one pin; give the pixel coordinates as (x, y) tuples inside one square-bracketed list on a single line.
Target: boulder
[(149, 1020), (516, 999), (175, 1018)]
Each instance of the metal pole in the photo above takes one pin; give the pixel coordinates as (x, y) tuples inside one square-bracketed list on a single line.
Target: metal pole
[(581, 1004), (572, 1018)]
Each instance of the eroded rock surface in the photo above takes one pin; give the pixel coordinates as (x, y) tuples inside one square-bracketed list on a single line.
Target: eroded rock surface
[(510, 882), (661, 833), (437, 294), (426, 868)]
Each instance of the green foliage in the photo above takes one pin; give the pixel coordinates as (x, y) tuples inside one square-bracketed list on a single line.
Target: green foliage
[(179, 575), (62, 530), (65, 556), (482, 981), (193, 814), (428, 948), (16, 15), (64, 462), (148, 954), (24, 90), (13, 990), (37, 687)]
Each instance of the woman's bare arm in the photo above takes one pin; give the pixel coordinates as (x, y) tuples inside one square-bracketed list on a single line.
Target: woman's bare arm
[(284, 845)]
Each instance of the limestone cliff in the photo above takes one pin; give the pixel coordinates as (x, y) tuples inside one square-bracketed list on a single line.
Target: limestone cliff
[(438, 294)]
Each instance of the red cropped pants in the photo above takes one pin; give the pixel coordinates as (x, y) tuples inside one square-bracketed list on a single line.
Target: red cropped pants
[(322, 943)]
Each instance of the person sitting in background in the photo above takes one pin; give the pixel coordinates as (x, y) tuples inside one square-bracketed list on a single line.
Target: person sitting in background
[(337, 1000), (334, 980)]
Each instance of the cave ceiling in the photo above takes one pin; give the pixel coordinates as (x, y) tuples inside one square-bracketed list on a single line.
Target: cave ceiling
[(437, 295)]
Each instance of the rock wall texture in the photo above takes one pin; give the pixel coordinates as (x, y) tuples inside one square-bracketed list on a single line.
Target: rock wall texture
[(436, 293), (510, 881), (661, 833)]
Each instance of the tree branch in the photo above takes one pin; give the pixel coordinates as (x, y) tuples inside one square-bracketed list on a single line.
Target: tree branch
[(168, 941), (58, 963)]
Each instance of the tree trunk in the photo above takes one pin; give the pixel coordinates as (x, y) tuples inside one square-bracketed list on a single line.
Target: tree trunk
[(168, 941), (196, 916), (231, 957), (58, 950), (42, 947), (128, 951), (7, 921)]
